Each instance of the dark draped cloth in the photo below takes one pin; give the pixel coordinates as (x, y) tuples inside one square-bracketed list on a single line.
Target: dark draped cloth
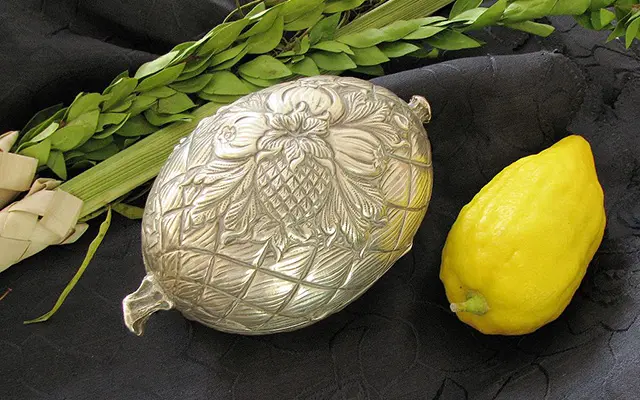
[(492, 105)]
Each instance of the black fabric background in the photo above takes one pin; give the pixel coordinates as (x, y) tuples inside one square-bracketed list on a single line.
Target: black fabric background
[(515, 96)]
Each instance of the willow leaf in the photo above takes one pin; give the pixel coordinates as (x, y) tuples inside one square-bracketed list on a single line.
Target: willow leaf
[(45, 133), (112, 129), (534, 28), (527, 10), (294, 9), (76, 132), (228, 54), (162, 78), (264, 24), (262, 83), (219, 98), (257, 10), (223, 37), (424, 32), (230, 63), (601, 19), (39, 118), (156, 65), (490, 16), (336, 6), (632, 32), (461, 6)]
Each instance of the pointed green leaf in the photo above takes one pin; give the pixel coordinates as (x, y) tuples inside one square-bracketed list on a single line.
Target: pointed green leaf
[(39, 151), (461, 6), (230, 63), (306, 20), (124, 104), (632, 31), (110, 119), (263, 83), (161, 78), (156, 65), (333, 47), (185, 49), (103, 153), (325, 29), (112, 129), (161, 92), (136, 126), (57, 165), (256, 10), (45, 133), (602, 19), (83, 103), (158, 119), (600, 4), (452, 40), (264, 24), (219, 98), (430, 20), (92, 145), (36, 130), (294, 9), (196, 63), (268, 40), (332, 61), (39, 118), (373, 70), (120, 90), (468, 17), (584, 21), (336, 6), (399, 29), (223, 37), (228, 54), (225, 82), (617, 32), (367, 38), (526, 10), (306, 67), (369, 56), (534, 28), (265, 67), (296, 59), (491, 16), (76, 132), (192, 85), (424, 32), (397, 49), (140, 104), (175, 104)]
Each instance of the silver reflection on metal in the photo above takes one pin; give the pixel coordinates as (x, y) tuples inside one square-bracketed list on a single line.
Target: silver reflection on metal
[(285, 206)]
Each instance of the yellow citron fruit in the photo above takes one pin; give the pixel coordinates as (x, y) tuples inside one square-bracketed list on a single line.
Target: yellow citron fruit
[(518, 251)]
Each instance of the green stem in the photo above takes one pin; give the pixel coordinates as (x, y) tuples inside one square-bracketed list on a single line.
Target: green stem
[(475, 304)]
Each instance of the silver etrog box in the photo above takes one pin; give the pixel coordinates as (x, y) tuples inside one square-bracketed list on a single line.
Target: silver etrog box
[(285, 206)]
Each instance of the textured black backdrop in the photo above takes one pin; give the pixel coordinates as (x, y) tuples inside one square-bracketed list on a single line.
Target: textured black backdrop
[(396, 342)]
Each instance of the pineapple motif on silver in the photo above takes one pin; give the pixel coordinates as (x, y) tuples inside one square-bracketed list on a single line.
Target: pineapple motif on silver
[(285, 206)]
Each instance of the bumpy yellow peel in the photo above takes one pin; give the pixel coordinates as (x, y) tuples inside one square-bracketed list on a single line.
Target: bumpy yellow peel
[(518, 251)]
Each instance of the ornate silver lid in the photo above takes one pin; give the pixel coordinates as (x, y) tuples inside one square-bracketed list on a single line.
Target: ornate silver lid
[(285, 206)]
